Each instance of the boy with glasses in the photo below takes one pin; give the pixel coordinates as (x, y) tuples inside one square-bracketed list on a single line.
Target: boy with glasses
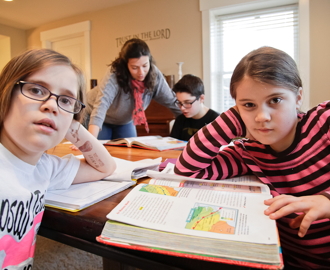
[(190, 96)]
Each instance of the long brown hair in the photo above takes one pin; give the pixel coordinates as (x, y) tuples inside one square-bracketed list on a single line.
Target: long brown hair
[(133, 48)]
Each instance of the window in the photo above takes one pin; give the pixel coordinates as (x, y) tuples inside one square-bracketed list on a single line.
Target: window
[(234, 35)]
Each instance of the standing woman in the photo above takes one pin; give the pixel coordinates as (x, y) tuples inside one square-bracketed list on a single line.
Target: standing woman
[(117, 105)]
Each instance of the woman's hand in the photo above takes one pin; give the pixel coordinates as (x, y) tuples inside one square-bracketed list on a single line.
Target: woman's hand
[(308, 208), (94, 130)]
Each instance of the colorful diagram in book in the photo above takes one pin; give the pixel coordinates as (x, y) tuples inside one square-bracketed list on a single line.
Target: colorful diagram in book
[(211, 218), (160, 190)]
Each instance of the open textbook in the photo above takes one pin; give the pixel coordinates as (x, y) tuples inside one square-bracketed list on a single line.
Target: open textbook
[(219, 221), (80, 196), (157, 143)]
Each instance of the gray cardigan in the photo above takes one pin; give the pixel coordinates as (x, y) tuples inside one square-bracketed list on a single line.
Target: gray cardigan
[(108, 103)]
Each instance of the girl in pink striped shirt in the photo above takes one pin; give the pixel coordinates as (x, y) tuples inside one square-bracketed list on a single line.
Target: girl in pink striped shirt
[(286, 149)]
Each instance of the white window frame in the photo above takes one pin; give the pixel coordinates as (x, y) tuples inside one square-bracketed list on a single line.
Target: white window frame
[(211, 8)]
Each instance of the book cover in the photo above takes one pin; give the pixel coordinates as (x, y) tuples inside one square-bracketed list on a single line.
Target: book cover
[(166, 162)]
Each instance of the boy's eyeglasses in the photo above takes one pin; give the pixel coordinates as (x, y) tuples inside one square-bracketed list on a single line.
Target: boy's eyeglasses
[(38, 92), (186, 105)]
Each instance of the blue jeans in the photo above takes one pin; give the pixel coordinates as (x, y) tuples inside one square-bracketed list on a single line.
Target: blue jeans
[(110, 132)]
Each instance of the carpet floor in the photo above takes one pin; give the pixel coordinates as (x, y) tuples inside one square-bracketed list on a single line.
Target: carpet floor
[(51, 255)]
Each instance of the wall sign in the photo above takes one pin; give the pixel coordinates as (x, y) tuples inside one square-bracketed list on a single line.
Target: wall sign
[(146, 36)]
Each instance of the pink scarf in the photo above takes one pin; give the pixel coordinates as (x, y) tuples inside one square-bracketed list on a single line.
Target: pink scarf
[(139, 116)]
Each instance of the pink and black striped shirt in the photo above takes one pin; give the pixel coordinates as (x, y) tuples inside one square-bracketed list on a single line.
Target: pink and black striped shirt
[(302, 169)]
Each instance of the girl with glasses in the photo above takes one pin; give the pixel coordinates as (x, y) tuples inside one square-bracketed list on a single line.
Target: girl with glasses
[(285, 148), (41, 103)]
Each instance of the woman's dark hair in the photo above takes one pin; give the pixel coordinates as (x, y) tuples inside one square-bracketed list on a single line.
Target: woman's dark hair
[(133, 48), (267, 65)]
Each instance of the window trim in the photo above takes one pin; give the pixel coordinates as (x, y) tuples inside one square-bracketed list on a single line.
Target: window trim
[(210, 9)]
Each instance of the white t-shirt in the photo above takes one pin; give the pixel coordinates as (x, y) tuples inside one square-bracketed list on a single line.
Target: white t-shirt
[(22, 191)]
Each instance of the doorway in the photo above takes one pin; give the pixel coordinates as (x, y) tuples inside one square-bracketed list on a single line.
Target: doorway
[(74, 42)]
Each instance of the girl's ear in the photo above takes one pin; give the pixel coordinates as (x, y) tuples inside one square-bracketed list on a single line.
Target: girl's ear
[(202, 97), (299, 98)]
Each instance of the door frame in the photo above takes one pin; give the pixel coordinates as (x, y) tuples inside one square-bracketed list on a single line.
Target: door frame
[(67, 32)]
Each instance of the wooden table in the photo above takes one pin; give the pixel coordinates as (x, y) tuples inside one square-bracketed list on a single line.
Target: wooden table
[(79, 229)]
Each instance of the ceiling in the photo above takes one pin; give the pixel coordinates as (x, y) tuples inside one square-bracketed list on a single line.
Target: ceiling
[(27, 14)]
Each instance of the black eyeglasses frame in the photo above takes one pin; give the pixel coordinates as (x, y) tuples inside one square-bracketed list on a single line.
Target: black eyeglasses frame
[(179, 104), (21, 83)]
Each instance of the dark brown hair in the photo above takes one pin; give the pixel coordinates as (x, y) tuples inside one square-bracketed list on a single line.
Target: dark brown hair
[(190, 84), (133, 48), (267, 65)]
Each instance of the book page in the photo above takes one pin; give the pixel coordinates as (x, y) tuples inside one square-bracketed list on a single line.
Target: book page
[(168, 173), (168, 178), (81, 195), (157, 142), (142, 139), (201, 212), (132, 170), (129, 141), (164, 143), (212, 185)]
